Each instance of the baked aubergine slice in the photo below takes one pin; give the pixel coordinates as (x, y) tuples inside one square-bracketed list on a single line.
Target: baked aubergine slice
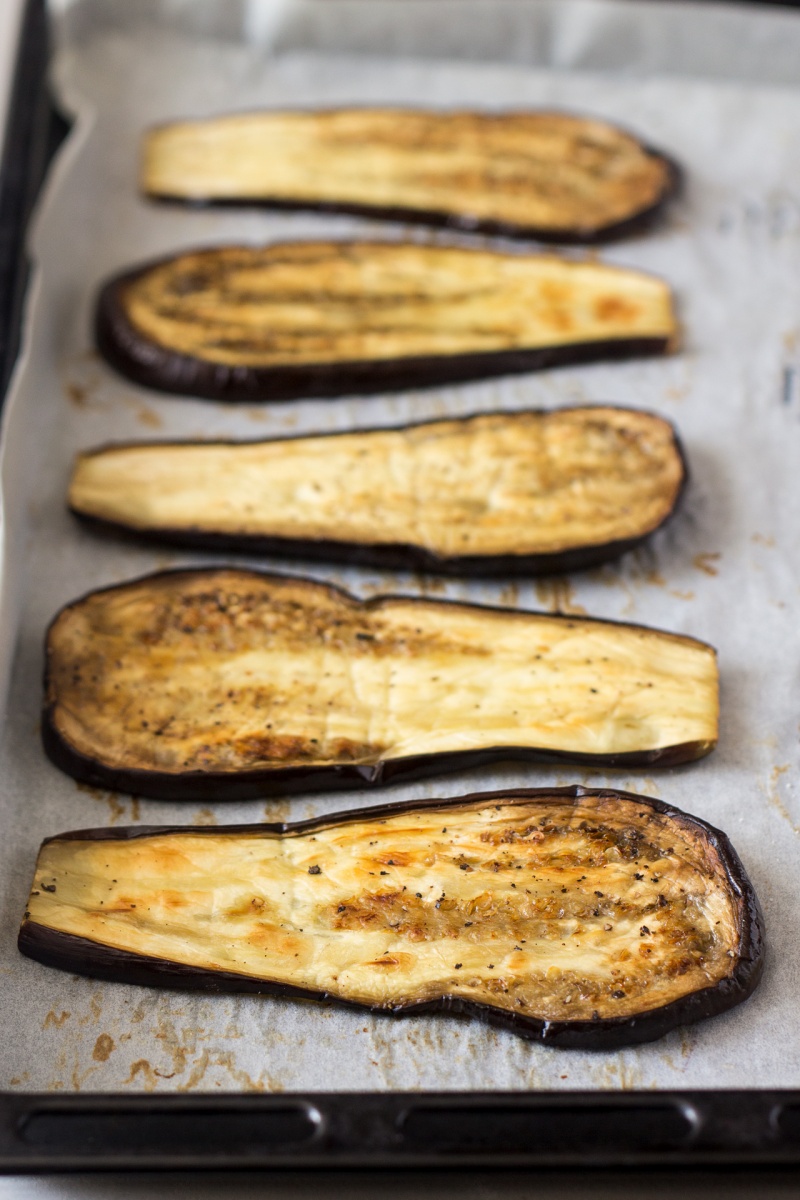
[(498, 493), (228, 684), (572, 917), (546, 175), (298, 319)]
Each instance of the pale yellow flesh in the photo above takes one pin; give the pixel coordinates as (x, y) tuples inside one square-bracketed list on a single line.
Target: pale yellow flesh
[(550, 910), (525, 483), (233, 671), (548, 171), (297, 303)]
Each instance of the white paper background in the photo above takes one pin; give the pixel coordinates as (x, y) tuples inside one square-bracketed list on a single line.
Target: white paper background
[(725, 570)]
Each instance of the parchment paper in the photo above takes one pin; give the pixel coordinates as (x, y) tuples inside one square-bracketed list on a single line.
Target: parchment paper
[(724, 570)]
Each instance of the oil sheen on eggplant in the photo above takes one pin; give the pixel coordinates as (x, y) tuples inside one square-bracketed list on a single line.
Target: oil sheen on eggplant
[(505, 492), (228, 683), (553, 176), (583, 918), (329, 318)]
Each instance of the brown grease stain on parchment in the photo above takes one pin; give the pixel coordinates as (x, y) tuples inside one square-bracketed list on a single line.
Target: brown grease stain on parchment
[(617, 1074), (643, 570), (142, 1067), (103, 1048), (55, 1020), (429, 585), (643, 567), (147, 416), (510, 595), (225, 1059), (773, 793), (68, 1061), (391, 1047), (609, 577), (77, 394), (557, 595), (707, 562), (277, 811), (117, 808), (204, 816), (187, 1052), (95, 1009), (81, 379), (678, 1061)]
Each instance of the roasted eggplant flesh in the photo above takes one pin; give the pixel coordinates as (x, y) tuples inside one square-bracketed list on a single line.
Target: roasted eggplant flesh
[(235, 675), (545, 174), (527, 485), (554, 911), (305, 318)]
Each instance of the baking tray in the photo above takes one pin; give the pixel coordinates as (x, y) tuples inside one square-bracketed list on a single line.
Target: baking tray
[(52, 1132)]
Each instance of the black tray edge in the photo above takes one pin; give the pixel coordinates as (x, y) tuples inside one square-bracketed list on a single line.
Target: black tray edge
[(400, 1131)]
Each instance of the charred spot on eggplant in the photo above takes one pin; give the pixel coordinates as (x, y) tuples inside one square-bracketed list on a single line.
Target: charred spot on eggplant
[(524, 492), (298, 319), (546, 175), (557, 931), (230, 684)]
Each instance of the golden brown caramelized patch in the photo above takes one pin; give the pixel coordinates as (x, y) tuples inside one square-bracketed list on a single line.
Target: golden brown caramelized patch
[(227, 671), (584, 909)]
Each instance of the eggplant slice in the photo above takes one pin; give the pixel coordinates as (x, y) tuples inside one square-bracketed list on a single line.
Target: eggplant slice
[(546, 175), (230, 684), (500, 493), (310, 318), (573, 917)]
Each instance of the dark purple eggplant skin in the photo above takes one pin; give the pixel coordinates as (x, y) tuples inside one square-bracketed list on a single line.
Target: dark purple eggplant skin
[(70, 953), (389, 556), (253, 785), (630, 227), (157, 367)]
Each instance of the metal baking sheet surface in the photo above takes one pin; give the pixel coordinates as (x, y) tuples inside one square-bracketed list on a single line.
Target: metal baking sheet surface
[(724, 570)]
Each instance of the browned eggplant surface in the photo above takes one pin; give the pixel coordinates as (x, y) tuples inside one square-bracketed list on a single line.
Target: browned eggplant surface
[(577, 917), (327, 318), (547, 175), (232, 683), (526, 491)]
